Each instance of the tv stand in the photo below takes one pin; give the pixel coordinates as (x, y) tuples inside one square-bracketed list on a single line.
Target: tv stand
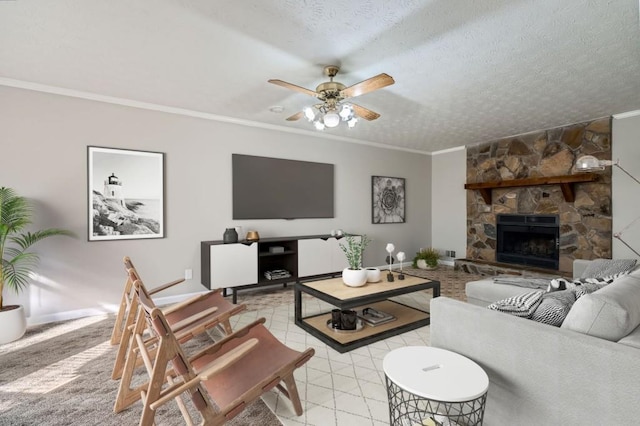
[(243, 265)]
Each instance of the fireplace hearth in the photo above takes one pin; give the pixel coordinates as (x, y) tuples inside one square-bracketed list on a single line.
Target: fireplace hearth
[(532, 240)]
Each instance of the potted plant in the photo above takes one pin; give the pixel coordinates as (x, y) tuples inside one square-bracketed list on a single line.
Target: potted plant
[(17, 262), (426, 258), (354, 275)]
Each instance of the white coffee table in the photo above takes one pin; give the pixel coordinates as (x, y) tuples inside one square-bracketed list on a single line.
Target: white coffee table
[(430, 386)]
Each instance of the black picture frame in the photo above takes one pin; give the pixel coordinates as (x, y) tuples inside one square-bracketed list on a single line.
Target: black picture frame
[(388, 200), (125, 192)]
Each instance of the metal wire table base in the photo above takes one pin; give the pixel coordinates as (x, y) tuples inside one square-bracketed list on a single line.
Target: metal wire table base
[(407, 409)]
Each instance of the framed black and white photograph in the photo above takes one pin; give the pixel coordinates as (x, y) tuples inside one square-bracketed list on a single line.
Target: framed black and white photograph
[(388, 196), (126, 194)]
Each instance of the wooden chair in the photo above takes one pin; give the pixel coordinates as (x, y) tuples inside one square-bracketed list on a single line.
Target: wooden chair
[(220, 380), (187, 319)]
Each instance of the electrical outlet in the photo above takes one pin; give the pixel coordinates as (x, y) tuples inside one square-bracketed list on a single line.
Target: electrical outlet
[(188, 274)]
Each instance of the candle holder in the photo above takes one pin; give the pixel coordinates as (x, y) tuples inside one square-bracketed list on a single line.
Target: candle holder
[(401, 257), (390, 248)]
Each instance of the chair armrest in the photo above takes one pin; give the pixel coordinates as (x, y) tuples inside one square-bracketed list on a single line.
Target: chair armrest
[(165, 286), (178, 326), (177, 306)]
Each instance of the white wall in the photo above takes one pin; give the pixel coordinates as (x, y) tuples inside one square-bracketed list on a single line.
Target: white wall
[(449, 201), (44, 139), (625, 206)]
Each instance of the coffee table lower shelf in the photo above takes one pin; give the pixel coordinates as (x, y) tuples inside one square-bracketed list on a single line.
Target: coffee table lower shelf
[(407, 318)]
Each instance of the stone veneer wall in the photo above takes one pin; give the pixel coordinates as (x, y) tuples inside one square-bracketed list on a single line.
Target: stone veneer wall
[(585, 225)]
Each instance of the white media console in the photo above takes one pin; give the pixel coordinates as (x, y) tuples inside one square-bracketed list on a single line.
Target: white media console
[(243, 264)]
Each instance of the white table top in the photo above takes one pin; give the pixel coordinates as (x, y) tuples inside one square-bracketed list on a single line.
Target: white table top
[(435, 373)]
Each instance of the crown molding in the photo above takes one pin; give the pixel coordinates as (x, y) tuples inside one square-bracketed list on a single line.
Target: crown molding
[(20, 84)]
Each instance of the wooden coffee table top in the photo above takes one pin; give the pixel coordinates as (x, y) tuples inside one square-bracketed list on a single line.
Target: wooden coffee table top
[(335, 288)]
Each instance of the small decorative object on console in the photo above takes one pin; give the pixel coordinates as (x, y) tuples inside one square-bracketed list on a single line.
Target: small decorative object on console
[(230, 236), (253, 236)]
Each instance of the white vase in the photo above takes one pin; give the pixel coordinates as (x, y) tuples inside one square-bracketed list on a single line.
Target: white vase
[(14, 324), (373, 275), (354, 277)]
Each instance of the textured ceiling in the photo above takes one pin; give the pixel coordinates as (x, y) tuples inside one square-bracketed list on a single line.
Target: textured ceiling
[(465, 71)]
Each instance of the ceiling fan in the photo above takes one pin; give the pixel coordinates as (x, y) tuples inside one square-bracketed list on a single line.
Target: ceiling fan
[(332, 95)]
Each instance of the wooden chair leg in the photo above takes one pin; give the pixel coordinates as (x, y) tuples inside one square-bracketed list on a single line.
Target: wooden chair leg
[(116, 334), (126, 395), (292, 393), (154, 389), (125, 342)]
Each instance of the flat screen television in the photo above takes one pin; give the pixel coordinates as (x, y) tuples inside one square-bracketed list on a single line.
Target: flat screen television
[(274, 188)]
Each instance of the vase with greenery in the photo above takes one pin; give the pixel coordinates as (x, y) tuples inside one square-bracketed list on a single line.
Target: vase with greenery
[(354, 275), (18, 263), (426, 258)]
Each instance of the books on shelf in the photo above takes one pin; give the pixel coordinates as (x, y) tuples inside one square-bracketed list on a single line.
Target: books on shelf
[(277, 274), (374, 317)]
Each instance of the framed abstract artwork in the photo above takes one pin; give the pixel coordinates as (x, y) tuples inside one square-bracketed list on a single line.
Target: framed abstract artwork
[(388, 199), (125, 194)]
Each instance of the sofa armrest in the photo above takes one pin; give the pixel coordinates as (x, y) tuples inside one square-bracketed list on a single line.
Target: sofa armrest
[(540, 374), (579, 266)]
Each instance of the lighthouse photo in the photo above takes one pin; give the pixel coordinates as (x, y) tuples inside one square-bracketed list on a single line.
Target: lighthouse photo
[(126, 194)]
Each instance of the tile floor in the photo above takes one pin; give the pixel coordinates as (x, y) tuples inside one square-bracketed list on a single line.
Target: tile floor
[(335, 389)]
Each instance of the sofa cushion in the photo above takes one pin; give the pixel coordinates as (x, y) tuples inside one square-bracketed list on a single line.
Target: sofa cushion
[(522, 305), (605, 267), (609, 313), (484, 292), (554, 307), (582, 285)]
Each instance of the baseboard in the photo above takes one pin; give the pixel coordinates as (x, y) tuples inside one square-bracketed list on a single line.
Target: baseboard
[(104, 309)]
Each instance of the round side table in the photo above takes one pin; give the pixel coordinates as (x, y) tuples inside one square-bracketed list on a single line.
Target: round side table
[(433, 386)]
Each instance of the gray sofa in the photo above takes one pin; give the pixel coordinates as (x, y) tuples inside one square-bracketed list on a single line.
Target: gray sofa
[(484, 292), (541, 374)]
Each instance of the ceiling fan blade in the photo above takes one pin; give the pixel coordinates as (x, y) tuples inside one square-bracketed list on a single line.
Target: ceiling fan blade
[(297, 116), (293, 87), (365, 113), (369, 85)]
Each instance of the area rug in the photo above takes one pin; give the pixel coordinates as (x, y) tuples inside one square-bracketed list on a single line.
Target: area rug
[(60, 374)]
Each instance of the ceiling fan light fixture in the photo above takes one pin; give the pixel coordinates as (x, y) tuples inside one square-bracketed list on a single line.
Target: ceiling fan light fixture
[(331, 119), (319, 125), (352, 122), (346, 112), (309, 114)]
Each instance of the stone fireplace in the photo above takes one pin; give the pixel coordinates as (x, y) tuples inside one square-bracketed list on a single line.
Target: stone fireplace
[(528, 240), (583, 224)]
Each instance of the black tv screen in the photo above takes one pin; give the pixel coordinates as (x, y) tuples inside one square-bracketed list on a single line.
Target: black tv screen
[(274, 188)]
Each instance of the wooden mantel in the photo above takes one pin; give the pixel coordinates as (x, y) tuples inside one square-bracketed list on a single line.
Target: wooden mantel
[(566, 184)]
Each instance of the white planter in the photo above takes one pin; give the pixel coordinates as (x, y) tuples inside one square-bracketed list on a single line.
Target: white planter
[(373, 275), (422, 264), (354, 277), (14, 324)]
